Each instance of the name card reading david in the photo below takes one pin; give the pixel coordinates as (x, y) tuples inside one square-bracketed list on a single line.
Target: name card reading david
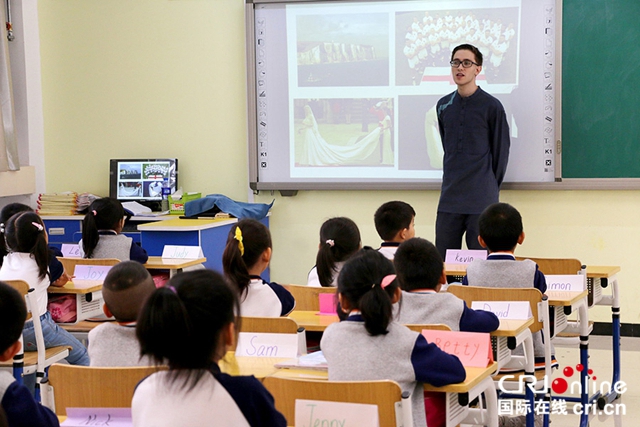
[(459, 256), (510, 310), (182, 252), (566, 282), (87, 276), (70, 250), (320, 413), (328, 303), (114, 417), (472, 348), (267, 345)]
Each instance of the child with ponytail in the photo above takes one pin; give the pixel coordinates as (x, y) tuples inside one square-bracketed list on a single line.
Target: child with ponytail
[(246, 256), (28, 260), (189, 325), (370, 345)]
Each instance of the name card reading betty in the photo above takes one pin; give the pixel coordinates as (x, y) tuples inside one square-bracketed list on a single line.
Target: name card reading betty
[(472, 348), (267, 345), (182, 252), (87, 276), (70, 250), (320, 413), (510, 310), (566, 282), (458, 256)]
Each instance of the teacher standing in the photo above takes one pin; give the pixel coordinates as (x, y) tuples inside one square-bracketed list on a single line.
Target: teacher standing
[(475, 137)]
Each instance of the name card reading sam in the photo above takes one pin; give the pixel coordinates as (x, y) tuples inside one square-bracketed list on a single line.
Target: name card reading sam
[(182, 252), (87, 276), (458, 256), (320, 413), (566, 282), (510, 310), (70, 250), (267, 345), (472, 348)]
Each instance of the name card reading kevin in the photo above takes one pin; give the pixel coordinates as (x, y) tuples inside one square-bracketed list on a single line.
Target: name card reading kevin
[(70, 250), (318, 413), (87, 276), (566, 282), (267, 345), (182, 252), (459, 256), (509, 310), (472, 348)]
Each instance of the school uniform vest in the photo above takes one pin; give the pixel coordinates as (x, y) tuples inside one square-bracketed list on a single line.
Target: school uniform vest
[(429, 308), (111, 246)]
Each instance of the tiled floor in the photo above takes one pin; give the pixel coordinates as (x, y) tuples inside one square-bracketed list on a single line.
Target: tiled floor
[(600, 361)]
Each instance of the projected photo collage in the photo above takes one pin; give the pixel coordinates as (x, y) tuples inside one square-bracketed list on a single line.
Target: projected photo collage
[(137, 180)]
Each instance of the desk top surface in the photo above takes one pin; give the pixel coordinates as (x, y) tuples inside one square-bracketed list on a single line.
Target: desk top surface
[(512, 328), (474, 377), (179, 224), (312, 320), (70, 288), (260, 367), (564, 298), (172, 263), (594, 271)]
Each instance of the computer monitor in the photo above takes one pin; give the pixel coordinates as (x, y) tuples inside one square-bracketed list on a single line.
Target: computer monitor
[(141, 180)]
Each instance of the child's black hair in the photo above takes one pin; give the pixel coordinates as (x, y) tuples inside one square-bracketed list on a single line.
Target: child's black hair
[(360, 282), (393, 217), (25, 232), (103, 214), (418, 264), (125, 289), (246, 243), (13, 313), (339, 239), (181, 324), (7, 212), (500, 226)]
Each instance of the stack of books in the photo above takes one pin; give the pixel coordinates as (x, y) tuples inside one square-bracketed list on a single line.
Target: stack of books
[(58, 203)]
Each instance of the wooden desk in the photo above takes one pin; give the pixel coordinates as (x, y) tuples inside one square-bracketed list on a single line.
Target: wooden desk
[(70, 288), (260, 367), (174, 265), (312, 321)]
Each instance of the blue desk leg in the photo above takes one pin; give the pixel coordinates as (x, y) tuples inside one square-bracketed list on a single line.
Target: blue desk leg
[(584, 380), (615, 337)]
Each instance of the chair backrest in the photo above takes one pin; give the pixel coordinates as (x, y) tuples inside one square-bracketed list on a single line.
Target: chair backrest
[(23, 288), (434, 327), (307, 296), (385, 394), (478, 293), (556, 265), (94, 387), (70, 263)]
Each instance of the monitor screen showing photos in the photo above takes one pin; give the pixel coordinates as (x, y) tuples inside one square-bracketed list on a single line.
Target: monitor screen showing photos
[(142, 179)]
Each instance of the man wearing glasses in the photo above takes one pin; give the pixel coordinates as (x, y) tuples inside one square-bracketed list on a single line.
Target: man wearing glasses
[(475, 137)]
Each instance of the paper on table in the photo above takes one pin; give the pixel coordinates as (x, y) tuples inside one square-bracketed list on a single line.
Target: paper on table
[(136, 207), (114, 417), (315, 361)]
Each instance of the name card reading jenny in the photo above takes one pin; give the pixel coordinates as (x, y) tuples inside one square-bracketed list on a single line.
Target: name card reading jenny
[(70, 250), (459, 256), (566, 282), (182, 252), (510, 310), (472, 348), (267, 345), (89, 275), (320, 413)]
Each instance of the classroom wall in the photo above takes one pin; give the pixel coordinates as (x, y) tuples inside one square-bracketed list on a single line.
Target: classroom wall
[(166, 78)]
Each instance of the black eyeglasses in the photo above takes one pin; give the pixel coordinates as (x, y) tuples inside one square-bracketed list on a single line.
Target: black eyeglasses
[(466, 63)]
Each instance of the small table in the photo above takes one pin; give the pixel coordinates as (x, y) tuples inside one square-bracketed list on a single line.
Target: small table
[(174, 265), (313, 320), (260, 367)]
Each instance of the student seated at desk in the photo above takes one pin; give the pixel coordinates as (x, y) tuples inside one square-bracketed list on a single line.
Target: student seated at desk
[(370, 345), (394, 223), (28, 260), (190, 325), (58, 276), (101, 233), (339, 240), (125, 289), (20, 408), (500, 231), (245, 258), (421, 274)]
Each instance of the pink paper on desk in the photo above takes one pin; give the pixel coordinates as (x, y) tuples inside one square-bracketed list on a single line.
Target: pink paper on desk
[(328, 303), (472, 348), (114, 417)]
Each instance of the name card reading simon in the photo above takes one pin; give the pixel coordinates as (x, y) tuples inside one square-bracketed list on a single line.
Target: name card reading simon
[(459, 256), (319, 413), (87, 276), (472, 348), (70, 250), (182, 252), (267, 345), (566, 282), (510, 310)]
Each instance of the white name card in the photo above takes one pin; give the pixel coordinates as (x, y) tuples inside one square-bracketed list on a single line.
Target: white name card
[(566, 282), (115, 417), (320, 413), (182, 252), (87, 276), (510, 310), (70, 250), (267, 345), (458, 256)]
